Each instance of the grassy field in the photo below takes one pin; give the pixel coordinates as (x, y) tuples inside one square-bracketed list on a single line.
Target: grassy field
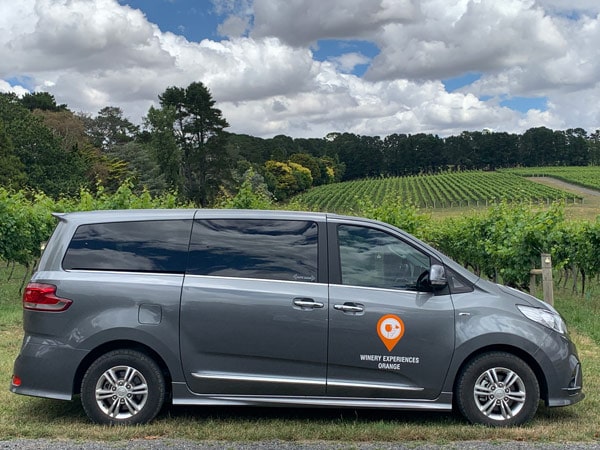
[(586, 209), (27, 417), (586, 176)]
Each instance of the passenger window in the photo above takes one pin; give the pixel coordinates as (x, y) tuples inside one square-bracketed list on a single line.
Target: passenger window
[(266, 249), (144, 246), (372, 258)]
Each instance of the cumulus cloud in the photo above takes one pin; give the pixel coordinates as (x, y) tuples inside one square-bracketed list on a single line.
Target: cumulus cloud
[(485, 36), (348, 61), (7, 88), (302, 22), (267, 80), (234, 27), (246, 69), (81, 35)]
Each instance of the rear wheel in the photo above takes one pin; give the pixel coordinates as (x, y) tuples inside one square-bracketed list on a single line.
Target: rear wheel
[(497, 389), (123, 387)]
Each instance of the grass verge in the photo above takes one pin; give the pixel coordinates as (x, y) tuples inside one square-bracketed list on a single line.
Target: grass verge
[(28, 417)]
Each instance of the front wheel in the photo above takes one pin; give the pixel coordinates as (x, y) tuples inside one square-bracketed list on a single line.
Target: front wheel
[(497, 389), (122, 387)]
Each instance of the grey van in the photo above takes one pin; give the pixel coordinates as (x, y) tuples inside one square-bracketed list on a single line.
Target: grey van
[(133, 309)]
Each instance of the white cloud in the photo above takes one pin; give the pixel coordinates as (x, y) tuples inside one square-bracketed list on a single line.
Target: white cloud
[(302, 22), (234, 27), (348, 61), (7, 88), (94, 53), (85, 36), (485, 36)]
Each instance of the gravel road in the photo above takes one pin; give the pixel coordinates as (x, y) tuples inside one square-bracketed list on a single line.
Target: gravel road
[(566, 186)]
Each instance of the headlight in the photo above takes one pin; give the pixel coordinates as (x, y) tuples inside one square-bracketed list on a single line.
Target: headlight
[(544, 317)]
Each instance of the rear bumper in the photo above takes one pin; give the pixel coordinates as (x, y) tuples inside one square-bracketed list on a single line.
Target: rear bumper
[(46, 369)]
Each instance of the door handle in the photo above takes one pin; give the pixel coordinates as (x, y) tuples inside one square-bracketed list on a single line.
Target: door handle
[(307, 303), (350, 307)]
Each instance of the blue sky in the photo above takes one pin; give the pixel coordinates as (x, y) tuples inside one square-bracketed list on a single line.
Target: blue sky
[(308, 67), (198, 20), (517, 103)]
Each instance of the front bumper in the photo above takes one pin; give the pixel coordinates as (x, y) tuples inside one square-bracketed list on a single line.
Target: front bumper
[(562, 371), (573, 392)]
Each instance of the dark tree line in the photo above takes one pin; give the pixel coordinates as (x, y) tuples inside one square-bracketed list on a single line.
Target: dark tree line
[(359, 156), (183, 146), (401, 154)]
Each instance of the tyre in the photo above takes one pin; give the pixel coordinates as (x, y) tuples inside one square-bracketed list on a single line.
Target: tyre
[(497, 389), (123, 387)]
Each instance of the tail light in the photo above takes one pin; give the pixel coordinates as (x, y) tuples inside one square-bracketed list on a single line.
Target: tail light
[(42, 297), (16, 381)]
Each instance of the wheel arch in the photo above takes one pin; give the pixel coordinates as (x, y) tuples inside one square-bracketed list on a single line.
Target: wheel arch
[(123, 344), (513, 350)]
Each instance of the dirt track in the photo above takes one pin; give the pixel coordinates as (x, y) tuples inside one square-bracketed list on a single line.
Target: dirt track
[(559, 184)]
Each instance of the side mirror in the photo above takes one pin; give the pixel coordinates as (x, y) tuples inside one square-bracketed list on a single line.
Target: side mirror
[(437, 275)]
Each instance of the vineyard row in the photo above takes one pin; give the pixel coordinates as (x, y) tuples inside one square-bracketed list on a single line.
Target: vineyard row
[(445, 190)]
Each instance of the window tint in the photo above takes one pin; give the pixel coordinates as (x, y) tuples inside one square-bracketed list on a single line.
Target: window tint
[(456, 283), (147, 246), (372, 258), (269, 249)]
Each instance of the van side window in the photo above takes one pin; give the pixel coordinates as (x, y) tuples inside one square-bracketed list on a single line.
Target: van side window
[(144, 246), (266, 249), (372, 258)]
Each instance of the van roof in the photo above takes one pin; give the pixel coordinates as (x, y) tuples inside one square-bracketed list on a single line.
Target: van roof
[(166, 214)]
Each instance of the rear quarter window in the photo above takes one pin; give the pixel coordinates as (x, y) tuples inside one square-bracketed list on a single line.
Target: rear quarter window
[(142, 246)]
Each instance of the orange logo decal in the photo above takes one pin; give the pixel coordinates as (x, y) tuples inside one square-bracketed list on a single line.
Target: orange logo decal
[(390, 329)]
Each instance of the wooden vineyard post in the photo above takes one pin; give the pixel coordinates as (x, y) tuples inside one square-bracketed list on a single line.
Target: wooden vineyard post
[(547, 282)]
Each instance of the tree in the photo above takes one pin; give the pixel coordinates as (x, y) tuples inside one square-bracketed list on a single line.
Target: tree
[(361, 155), (318, 170), (122, 143), (577, 147), (49, 167), (253, 193), (428, 151), (286, 179), (537, 147), (594, 146), (143, 169), (193, 130), (110, 171), (282, 146), (11, 169), (164, 147), (395, 157), (109, 128), (42, 101), (252, 149), (312, 146)]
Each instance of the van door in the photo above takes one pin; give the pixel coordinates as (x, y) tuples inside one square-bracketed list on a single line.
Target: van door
[(254, 308), (387, 339)]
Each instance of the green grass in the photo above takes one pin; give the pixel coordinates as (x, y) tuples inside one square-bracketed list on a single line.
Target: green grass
[(586, 176), (28, 417)]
